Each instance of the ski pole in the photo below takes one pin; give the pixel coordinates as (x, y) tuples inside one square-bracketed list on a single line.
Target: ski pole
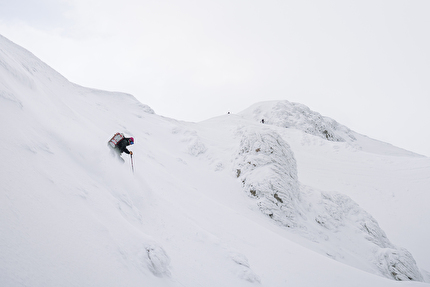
[(132, 167)]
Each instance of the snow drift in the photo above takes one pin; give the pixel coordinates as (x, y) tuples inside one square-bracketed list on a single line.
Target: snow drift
[(225, 202)]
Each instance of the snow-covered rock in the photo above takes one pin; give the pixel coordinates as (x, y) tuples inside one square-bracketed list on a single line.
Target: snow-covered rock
[(157, 260), (398, 264), (298, 116), (266, 166), (337, 212)]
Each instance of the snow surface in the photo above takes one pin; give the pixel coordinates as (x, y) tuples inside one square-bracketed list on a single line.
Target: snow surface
[(298, 201)]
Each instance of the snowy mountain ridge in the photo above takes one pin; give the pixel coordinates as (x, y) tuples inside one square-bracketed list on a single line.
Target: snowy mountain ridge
[(294, 115), (225, 202), (268, 171)]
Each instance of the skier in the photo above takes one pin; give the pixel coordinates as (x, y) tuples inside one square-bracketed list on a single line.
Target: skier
[(121, 146)]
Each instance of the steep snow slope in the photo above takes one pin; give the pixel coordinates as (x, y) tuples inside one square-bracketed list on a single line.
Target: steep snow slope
[(71, 215)]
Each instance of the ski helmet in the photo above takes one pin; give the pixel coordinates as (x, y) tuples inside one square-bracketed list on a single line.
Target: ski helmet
[(131, 140)]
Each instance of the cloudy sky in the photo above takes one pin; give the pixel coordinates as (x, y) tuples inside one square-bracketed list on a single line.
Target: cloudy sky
[(363, 63)]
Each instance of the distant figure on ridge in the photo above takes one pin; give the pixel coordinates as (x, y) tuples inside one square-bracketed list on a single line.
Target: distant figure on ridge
[(118, 144), (262, 121)]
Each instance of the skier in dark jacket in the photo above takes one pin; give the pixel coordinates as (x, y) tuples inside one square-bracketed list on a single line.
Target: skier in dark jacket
[(122, 147)]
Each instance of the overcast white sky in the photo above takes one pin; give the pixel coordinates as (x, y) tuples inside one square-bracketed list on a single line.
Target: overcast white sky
[(365, 64)]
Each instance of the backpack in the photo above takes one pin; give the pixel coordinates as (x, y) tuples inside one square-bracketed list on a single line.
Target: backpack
[(115, 140)]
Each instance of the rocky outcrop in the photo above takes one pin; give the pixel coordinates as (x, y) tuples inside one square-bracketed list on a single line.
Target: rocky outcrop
[(294, 115), (266, 166)]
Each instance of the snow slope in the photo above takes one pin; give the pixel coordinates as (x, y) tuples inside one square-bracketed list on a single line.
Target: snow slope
[(72, 215)]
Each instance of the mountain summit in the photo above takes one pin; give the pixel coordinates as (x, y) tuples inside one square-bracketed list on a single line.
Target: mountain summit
[(297, 200), (298, 116)]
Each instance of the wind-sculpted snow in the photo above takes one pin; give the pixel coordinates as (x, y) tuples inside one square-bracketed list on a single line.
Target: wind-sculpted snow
[(242, 268), (298, 116), (267, 169), (337, 212), (266, 166), (157, 260)]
